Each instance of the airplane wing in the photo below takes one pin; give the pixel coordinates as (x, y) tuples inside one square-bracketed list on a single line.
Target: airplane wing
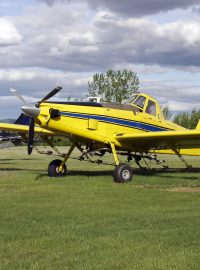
[(144, 141), (184, 152), (23, 129)]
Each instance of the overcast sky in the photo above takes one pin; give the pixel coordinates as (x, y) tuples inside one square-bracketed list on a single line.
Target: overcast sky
[(45, 43)]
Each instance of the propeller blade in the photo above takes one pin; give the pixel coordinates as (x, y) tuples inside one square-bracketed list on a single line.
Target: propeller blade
[(50, 94), (15, 93), (31, 135)]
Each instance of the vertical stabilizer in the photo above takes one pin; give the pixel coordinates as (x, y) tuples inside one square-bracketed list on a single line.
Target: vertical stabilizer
[(198, 125)]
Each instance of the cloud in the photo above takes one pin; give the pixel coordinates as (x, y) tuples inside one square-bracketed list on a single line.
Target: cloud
[(49, 2), (66, 43), (182, 106), (56, 38), (34, 84), (10, 107), (37, 82), (63, 39), (145, 41), (143, 7), (135, 8), (8, 33), (178, 94)]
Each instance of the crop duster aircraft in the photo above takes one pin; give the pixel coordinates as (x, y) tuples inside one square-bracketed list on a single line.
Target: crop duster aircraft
[(136, 129)]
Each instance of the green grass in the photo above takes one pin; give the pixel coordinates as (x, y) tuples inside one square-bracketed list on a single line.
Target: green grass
[(85, 221)]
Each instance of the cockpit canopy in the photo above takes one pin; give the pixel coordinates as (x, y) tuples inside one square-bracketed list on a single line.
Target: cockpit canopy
[(146, 104)]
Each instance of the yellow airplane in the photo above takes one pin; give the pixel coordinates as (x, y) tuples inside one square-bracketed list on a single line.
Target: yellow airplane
[(136, 129)]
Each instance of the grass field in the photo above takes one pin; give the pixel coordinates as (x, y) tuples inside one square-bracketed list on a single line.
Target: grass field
[(85, 221)]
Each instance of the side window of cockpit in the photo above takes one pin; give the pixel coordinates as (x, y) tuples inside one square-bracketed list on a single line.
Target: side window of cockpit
[(151, 108), (140, 102)]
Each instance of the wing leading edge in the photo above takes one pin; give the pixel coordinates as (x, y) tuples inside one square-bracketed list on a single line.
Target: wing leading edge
[(23, 129), (187, 139)]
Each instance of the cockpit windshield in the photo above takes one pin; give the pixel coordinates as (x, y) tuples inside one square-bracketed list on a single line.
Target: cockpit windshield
[(140, 101), (146, 104), (130, 100), (151, 108)]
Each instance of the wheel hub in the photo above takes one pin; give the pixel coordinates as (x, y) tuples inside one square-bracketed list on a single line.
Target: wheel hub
[(125, 174), (58, 171)]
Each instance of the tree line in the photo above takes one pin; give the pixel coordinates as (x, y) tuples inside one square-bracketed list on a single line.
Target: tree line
[(188, 120)]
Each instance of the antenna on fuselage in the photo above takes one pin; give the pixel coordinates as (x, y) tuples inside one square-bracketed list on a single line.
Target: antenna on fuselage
[(173, 117)]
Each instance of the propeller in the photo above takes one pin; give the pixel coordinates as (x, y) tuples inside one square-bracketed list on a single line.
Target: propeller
[(33, 111), (15, 93), (31, 135), (50, 94)]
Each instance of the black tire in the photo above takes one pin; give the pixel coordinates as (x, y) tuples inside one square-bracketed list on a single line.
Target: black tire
[(122, 173), (53, 169)]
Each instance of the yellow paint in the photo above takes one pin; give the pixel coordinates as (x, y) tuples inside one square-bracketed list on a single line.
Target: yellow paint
[(185, 152), (92, 124), (23, 129), (198, 125), (107, 125), (114, 153)]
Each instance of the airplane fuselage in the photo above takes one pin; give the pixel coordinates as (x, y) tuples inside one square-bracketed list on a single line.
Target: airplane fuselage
[(101, 122)]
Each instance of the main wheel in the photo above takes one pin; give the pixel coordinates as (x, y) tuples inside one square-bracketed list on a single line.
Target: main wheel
[(122, 173), (53, 169)]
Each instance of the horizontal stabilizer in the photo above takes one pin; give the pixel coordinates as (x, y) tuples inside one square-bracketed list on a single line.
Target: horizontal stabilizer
[(23, 120)]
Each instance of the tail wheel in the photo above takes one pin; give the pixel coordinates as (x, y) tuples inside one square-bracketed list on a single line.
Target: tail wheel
[(122, 173), (53, 169)]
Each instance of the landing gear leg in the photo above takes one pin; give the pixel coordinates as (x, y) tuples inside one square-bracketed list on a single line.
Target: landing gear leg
[(57, 167), (137, 161), (122, 172), (182, 159)]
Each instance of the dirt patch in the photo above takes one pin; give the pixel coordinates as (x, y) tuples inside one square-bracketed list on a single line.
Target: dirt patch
[(172, 189), (184, 189)]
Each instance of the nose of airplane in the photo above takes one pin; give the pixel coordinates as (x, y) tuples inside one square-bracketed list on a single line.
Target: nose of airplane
[(31, 111)]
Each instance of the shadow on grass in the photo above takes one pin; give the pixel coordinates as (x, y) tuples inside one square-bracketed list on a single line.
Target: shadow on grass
[(10, 169), (18, 170), (169, 173), (80, 173), (90, 173), (19, 159), (7, 163)]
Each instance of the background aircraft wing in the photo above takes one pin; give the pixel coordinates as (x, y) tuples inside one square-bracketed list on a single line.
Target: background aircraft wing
[(144, 141)]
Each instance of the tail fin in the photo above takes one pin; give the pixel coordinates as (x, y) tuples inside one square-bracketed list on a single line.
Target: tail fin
[(198, 125), (23, 120)]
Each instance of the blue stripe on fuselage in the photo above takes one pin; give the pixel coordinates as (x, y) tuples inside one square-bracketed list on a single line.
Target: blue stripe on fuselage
[(123, 122)]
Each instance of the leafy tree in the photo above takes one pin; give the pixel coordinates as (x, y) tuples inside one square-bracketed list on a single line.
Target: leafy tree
[(114, 86)]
